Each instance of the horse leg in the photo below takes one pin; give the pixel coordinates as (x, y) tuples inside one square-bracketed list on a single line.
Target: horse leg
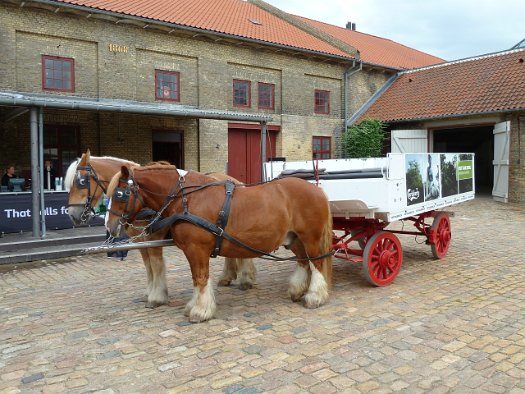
[(317, 293), (247, 273), (149, 274), (158, 294), (229, 271), (308, 277), (202, 306), (300, 279)]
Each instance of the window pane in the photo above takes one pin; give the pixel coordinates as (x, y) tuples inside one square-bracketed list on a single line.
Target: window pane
[(167, 85), (241, 93), (326, 144)]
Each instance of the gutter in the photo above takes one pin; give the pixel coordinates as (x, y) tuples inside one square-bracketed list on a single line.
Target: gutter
[(148, 21), (454, 116), (88, 104)]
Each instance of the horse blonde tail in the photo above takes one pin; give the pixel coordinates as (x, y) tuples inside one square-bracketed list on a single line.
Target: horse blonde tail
[(326, 247)]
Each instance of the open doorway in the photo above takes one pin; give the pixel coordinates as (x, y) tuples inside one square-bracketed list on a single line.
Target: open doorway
[(168, 146), (480, 141)]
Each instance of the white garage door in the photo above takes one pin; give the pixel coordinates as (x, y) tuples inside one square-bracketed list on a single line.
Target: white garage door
[(500, 191), (409, 141)]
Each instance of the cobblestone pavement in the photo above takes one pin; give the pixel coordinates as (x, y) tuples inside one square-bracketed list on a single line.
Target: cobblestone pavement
[(456, 325)]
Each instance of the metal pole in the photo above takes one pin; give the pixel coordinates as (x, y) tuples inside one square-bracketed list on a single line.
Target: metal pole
[(263, 150), (35, 175), (41, 170)]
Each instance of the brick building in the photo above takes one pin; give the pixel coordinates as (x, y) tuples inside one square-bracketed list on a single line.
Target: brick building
[(191, 86), (470, 105)]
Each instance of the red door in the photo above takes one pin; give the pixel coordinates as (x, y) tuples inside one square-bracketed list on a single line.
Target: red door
[(244, 153)]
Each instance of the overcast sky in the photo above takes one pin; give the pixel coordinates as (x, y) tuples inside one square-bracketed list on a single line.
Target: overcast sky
[(450, 29)]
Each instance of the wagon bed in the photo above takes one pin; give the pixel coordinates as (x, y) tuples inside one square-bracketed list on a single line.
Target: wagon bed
[(366, 195)]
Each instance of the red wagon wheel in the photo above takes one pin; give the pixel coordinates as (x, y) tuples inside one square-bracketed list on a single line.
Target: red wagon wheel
[(442, 235), (382, 258)]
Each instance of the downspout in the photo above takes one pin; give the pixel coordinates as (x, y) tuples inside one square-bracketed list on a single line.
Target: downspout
[(41, 171), (35, 172), (347, 74), (263, 150)]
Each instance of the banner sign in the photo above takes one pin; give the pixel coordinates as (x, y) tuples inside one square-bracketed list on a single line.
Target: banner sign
[(16, 212), (430, 176)]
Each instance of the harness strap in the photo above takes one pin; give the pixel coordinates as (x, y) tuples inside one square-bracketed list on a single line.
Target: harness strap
[(224, 214), (219, 232)]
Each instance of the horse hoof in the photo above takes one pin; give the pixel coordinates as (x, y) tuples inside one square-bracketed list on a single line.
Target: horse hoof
[(295, 298), (245, 286), (312, 301), (153, 304), (224, 282)]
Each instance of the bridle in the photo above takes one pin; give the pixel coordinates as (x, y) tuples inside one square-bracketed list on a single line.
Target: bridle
[(122, 194), (84, 182)]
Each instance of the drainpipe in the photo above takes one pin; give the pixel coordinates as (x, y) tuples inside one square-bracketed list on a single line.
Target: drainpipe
[(35, 174), (41, 171), (263, 150), (348, 73)]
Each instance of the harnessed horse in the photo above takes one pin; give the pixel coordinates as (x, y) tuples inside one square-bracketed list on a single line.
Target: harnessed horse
[(87, 180), (207, 217)]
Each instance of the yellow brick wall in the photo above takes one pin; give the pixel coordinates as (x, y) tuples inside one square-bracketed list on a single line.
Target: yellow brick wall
[(206, 69)]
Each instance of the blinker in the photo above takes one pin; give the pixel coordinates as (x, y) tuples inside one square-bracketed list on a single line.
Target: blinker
[(121, 194), (82, 181)]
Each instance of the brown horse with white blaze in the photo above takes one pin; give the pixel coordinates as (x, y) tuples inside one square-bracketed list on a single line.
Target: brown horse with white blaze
[(289, 212), (87, 179)]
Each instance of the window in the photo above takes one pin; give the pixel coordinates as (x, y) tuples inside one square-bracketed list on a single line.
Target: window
[(58, 73), (322, 102), (167, 85), (241, 93), (266, 95), (321, 147)]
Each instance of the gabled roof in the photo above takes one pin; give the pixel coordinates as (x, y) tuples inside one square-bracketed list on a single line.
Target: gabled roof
[(481, 85), (377, 50), (232, 17)]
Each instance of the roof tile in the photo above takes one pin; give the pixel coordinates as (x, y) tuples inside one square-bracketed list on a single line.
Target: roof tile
[(490, 83), (377, 50), (230, 17)]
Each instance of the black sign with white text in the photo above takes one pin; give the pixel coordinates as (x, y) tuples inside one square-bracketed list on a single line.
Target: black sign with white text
[(16, 215)]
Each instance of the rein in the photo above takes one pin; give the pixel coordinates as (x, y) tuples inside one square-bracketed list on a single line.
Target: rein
[(84, 182), (216, 229)]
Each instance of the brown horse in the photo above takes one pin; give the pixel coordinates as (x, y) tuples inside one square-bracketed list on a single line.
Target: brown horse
[(87, 179), (289, 212)]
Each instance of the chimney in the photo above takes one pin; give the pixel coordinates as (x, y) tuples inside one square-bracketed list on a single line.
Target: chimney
[(350, 26)]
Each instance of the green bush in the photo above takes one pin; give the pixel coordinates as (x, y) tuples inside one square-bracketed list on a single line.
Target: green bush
[(365, 139)]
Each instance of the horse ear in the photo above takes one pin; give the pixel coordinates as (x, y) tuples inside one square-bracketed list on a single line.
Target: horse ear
[(88, 155), (125, 172), (83, 160)]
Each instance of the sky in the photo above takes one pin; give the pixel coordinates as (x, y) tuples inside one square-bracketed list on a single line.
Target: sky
[(450, 29)]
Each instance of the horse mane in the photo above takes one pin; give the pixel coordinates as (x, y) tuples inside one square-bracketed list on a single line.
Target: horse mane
[(161, 162), (72, 169)]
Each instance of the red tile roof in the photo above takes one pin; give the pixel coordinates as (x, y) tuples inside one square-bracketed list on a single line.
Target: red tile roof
[(232, 17), (377, 50), (485, 84)]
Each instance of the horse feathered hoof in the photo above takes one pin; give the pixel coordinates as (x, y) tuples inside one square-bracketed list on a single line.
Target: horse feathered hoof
[(245, 286), (154, 304), (312, 301), (224, 282)]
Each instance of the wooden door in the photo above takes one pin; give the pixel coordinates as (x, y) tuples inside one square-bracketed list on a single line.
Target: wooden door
[(244, 153)]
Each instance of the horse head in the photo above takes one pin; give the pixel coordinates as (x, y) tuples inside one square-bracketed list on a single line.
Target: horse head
[(85, 189), (125, 201)]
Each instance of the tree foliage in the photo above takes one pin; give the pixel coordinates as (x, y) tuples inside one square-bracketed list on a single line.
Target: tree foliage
[(365, 139)]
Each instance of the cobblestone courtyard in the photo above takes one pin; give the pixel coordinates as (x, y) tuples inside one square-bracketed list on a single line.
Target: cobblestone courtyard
[(456, 325)]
